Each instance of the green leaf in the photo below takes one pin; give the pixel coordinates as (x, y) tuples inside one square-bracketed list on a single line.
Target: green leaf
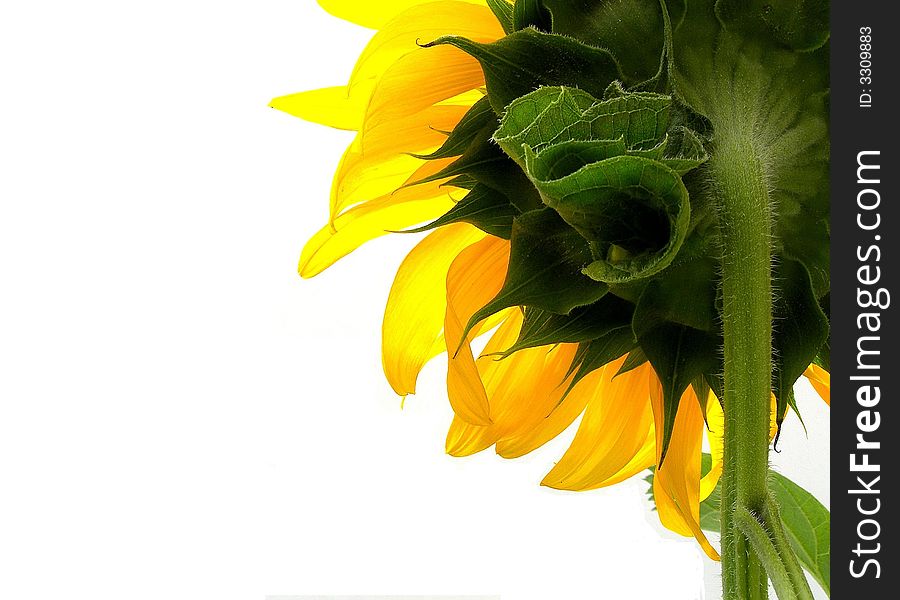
[(528, 59), (800, 329), (583, 324), (531, 13), (466, 131), (806, 521), (545, 262), (503, 10), (485, 208), (808, 526)]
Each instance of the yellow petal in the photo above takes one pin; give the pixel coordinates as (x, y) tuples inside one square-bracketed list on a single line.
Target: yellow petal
[(615, 428), (547, 429), (464, 438), (821, 381), (422, 79), (414, 315), (374, 14), (392, 212), (344, 107), (378, 160), (522, 389), (715, 433), (332, 106), (676, 484), (418, 25), (473, 280)]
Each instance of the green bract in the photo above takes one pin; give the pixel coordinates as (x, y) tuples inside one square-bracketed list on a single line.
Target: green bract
[(595, 153)]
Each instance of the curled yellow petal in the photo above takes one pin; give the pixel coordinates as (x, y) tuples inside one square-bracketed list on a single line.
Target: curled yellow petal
[(676, 484), (616, 427), (474, 278), (522, 389), (414, 316), (464, 438), (821, 381)]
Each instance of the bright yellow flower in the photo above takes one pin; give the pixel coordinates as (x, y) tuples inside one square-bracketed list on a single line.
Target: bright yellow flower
[(400, 98)]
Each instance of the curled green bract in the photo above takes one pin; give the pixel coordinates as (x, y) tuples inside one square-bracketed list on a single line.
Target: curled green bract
[(611, 168)]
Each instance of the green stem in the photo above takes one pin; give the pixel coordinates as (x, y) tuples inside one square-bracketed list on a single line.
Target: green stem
[(745, 221), (770, 557), (780, 540)]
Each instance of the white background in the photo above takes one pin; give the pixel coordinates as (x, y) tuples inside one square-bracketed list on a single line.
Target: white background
[(182, 415)]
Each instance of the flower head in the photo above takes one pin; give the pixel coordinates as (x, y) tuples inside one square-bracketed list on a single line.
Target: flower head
[(562, 182)]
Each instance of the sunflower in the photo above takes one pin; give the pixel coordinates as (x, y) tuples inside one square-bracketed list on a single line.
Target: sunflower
[(430, 101)]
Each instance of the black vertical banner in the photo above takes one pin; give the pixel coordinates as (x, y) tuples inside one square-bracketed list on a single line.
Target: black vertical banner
[(865, 370)]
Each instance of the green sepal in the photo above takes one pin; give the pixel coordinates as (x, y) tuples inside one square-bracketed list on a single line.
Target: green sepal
[(823, 358), (716, 380), (528, 59), (484, 162), (598, 352), (800, 328), (635, 359), (545, 262), (466, 131), (585, 323), (503, 10), (485, 208), (684, 294), (701, 390), (531, 13), (679, 355), (633, 31)]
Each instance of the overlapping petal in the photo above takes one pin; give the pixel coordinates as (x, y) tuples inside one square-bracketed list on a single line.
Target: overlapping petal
[(392, 212), (412, 331), (473, 279), (379, 161), (522, 389), (676, 484), (614, 439)]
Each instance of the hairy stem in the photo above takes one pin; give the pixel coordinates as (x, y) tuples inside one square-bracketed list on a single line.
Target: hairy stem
[(761, 542), (745, 221), (780, 540)]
